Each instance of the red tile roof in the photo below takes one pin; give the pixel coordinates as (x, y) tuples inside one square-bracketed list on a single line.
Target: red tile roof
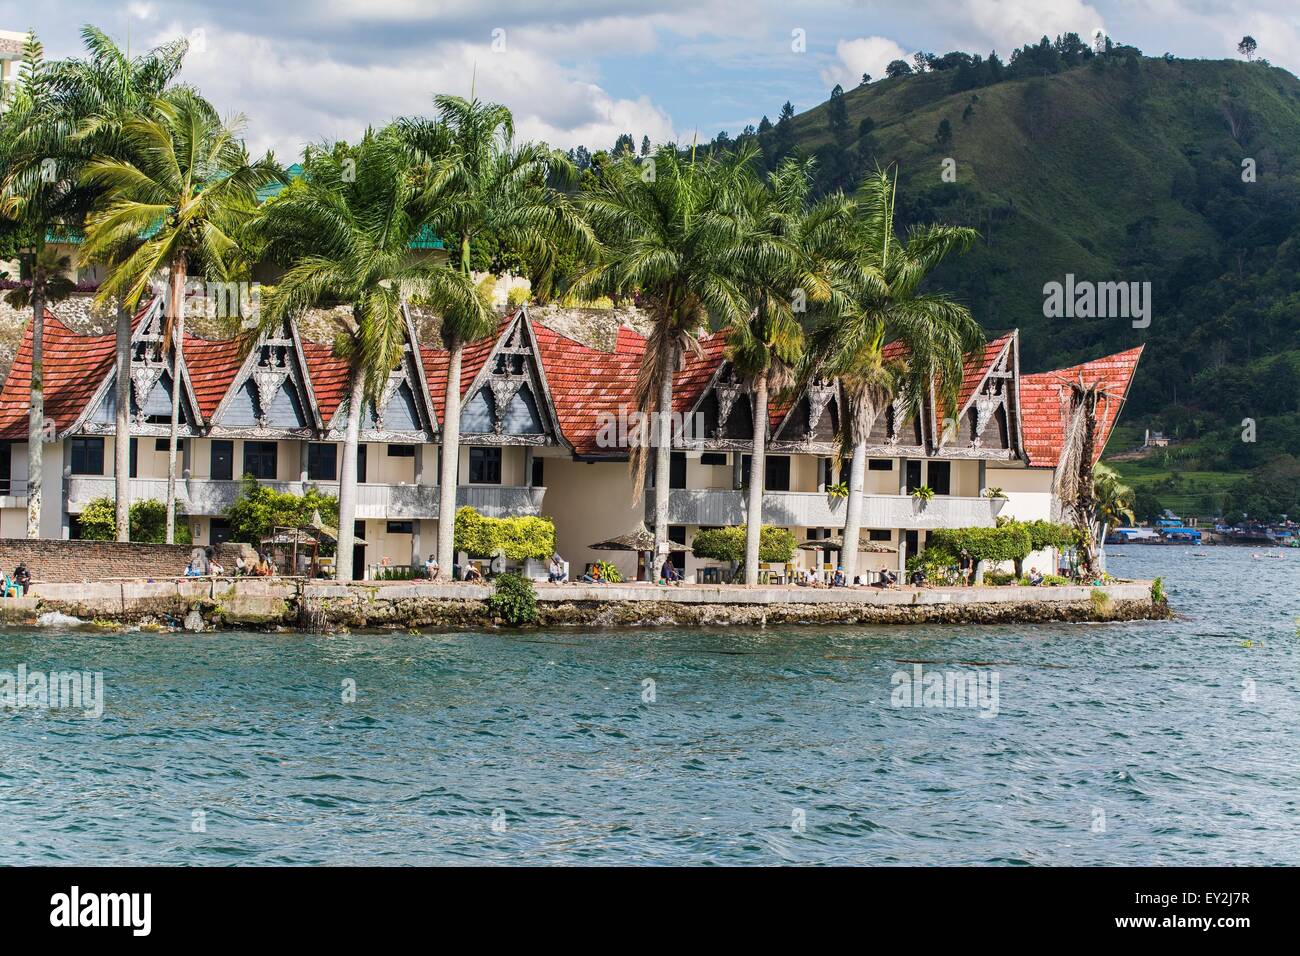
[(212, 364), (1045, 396), (973, 371), (75, 366), (587, 382), (329, 377), (471, 363)]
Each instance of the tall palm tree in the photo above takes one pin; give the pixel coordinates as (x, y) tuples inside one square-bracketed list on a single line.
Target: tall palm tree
[(184, 180), (344, 229), (94, 97), (888, 306), (795, 252), (1091, 494), (671, 233), (476, 183), (70, 110)]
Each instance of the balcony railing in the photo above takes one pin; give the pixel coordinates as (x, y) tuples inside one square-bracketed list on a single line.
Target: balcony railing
[(815, 509), (13, 492), (212, 498)]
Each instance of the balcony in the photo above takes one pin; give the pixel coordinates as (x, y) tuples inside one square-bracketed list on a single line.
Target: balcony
[(13, 492), (815, 509), (208, 498)]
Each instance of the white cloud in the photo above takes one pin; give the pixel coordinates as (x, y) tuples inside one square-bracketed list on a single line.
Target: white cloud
[(1013, 23), (863, 55)]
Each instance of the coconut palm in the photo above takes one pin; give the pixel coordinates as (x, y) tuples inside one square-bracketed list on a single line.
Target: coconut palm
[(70, 110), (93, 98), (888, 306), (184, 180), (344, 230), (1114, 505), (795, 253), (1090, 493), (475, 183), (671, 233)]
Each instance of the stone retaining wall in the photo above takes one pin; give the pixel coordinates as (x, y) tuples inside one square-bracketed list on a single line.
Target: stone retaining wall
[(323, 606)]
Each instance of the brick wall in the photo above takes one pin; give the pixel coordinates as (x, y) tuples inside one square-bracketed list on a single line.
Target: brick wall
[(78, 561)]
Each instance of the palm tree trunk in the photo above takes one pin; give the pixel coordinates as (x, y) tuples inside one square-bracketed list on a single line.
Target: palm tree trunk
[(663, 455), (122, 431), (36, 416), (853, 511), (178, 338), (757, 477), (348, 480), (448, 474)]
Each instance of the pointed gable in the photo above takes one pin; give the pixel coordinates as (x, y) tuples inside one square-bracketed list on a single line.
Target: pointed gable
[(1045, 403), (271, 394), (985, 423)]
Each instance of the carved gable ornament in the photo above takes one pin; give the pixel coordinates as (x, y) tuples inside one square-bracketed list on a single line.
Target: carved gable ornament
[(819, 398), (727, 394)]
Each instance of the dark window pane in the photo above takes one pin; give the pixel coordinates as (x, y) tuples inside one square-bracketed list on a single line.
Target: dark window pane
[(777, 473), (713, 458), (880, 464), (940, 477), (220, 531), (163, 444), (87, 456), (133, 454), (677, 470), (913, 476), (401, 451), (677, 533), (877, 534), (322, 461), (223, 460), (401, 527), (485, 466), (361, 464), (259, 459), (539, 473)]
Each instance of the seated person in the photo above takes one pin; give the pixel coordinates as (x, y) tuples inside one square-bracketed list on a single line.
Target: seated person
[(593, 575), (556, 573), (918, 578), (431, 568), (1035, 578), (838, 581), (888, 578), (214, 568), (669, 572)]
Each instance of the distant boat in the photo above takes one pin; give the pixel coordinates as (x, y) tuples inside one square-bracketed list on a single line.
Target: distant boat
[(1200, 554)]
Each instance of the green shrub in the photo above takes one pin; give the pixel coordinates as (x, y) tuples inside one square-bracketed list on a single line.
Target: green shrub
[(775, 545), (516, 297), (1158, 591), (514, 600), (258, 509), (148, 522), (519, 538), (1009, 542)]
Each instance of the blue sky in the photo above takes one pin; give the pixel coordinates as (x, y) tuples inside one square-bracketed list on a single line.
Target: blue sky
[(580, 71)]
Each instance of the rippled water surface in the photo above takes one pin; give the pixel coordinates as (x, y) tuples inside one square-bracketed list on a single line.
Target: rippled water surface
[(1119, 743)]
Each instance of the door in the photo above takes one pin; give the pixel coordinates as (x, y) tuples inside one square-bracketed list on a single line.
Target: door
[(223, 459), (359, 550)]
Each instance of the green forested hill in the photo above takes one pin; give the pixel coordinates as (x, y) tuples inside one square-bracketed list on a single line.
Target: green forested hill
[(1121, 168)]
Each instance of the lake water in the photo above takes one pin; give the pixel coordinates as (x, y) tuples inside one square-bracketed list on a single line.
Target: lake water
[(1171, 742)]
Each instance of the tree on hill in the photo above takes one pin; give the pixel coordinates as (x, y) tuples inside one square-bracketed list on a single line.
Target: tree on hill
[(897, 68), (1247, 47), (943, 135)]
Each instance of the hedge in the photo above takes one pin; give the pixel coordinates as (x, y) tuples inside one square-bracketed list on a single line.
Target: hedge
[(1011, 542), (775, 545), (148, 522), (259, 509), (519, 538)]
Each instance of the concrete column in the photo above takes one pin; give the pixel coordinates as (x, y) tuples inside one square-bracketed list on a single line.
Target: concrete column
[(902, 476), (528, 466), (65, 520), (417, 559), (304, 473), (186, 451), (902, 555), (419, 467), (737, 471), (984, 477)]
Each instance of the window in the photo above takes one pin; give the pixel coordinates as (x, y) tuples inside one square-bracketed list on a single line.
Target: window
[(539, 473), (163, 444), (876, 534), (913, 476), (220, 531), (223, 460), (401, 451), (133, 456), (361, 464), (713, 458), (913, 542), (880, 464), (677, 471), (940, 477), (322, 461), (259, 459), (485, 466), (776, 472), (401, 527), (87, 456)]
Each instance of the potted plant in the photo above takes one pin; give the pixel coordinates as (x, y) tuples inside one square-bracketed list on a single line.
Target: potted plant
[(921, 497), (836, 493), (997, 498)]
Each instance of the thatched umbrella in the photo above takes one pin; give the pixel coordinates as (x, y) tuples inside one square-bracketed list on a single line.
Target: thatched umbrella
[(837, 544), (640, 541)]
